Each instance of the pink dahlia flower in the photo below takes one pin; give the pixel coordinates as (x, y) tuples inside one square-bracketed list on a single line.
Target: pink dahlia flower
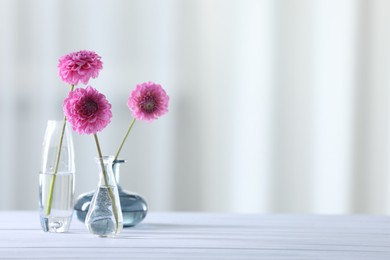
[(148, 101), (79, 66), (87, 110)]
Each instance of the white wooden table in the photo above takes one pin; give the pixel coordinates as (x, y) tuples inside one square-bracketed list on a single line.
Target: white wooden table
[(204, 236)]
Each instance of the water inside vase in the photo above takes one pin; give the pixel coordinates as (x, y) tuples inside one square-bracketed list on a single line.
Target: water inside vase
[(101, 221), (134, 207)]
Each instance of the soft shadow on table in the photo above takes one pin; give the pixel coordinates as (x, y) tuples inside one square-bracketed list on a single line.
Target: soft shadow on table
[(163, 226), (151, 230), (150, 227), (160, 226)]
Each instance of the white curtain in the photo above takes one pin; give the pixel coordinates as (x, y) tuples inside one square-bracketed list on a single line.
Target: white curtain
[(275, 106)]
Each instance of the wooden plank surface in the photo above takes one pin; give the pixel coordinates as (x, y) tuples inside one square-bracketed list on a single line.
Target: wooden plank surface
[(204, 236)]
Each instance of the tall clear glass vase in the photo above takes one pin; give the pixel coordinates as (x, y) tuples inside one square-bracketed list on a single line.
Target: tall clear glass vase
[(104, 217), (56, 178)]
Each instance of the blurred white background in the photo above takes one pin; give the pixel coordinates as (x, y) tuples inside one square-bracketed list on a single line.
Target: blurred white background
[(275, 106)]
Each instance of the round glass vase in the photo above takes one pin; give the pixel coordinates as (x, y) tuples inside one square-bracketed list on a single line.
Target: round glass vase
[(104, 217), (56, 178), (134, 207)]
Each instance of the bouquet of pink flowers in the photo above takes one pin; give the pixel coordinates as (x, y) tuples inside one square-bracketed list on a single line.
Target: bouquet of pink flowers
[(89, 112)]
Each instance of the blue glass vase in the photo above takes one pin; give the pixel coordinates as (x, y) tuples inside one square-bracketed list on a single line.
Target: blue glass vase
[(134, 207)]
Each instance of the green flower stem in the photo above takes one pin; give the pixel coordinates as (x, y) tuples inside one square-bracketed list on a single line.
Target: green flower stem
[(110, 192), (53, 179), (124, 139)]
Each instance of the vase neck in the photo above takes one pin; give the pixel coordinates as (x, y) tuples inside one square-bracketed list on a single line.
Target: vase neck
[(106, 175)]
